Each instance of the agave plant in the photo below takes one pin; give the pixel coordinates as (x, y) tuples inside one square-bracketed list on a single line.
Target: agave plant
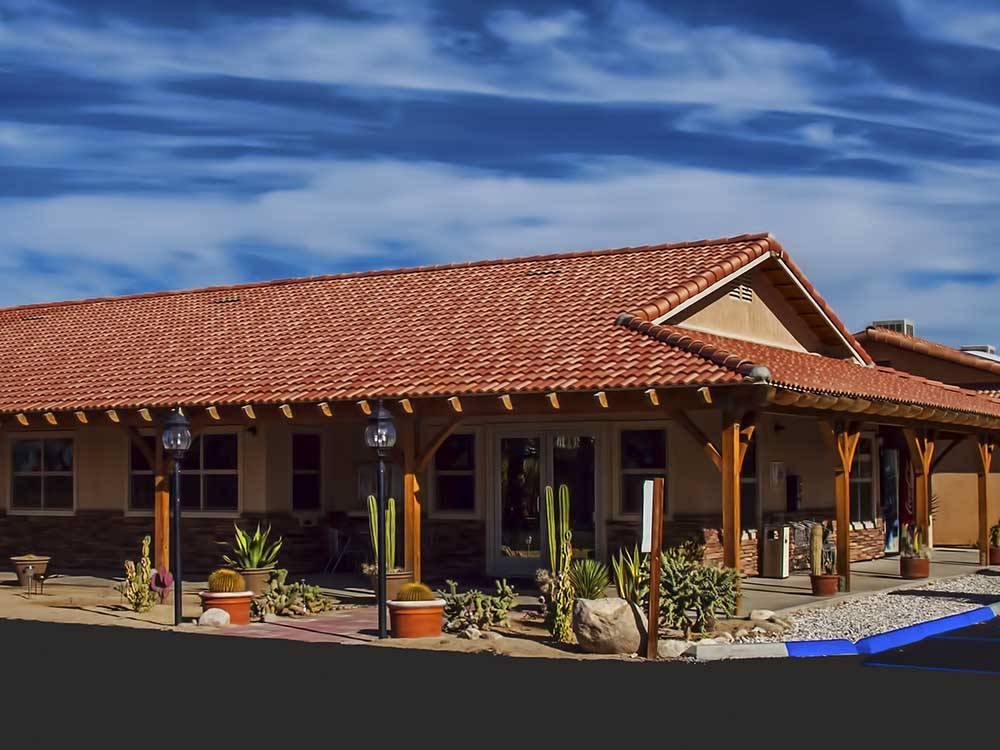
[(249, 552), (631, 575), (589, 578)]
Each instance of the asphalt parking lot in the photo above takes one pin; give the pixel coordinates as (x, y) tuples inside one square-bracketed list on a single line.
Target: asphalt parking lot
[(974, 649)]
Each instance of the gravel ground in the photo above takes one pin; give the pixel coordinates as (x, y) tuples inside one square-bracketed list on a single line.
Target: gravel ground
[(859, 618)]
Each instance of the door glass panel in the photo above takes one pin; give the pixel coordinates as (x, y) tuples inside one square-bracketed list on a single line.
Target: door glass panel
[(520, 491), (573, 459)]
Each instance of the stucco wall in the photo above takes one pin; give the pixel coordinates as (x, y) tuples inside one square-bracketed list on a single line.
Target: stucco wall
[(767, 318)]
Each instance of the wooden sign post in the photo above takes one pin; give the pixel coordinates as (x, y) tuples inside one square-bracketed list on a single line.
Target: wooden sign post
[(656, 546)]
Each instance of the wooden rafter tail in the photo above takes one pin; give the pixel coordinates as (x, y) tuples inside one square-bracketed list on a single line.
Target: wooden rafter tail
[(81, 416), (51, 418), (553, 399), (286, 409), (652, 396), (506, 402), (455, 403), (366, 408), (407, 405), (113, 416), (22, 419), (248, 410), (213, 412), (145, 415), (706, 394), (602, 399)]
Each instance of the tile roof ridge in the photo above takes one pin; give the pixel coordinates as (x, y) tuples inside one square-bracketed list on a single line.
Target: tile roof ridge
[(657, 307), (566, 255), (689, 342), (930, 348)]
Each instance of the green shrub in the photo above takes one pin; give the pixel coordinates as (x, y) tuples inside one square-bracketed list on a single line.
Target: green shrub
[(476, 609), (589, 578)]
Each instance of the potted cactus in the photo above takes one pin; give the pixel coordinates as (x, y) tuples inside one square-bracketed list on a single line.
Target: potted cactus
[(228, 591), (995, 544), (395, 577), (914, 554), (27, 566), (822, 563), (253, 557), (415, 612)]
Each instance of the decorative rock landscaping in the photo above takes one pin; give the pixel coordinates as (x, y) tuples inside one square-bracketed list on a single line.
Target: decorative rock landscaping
[(864, 616)]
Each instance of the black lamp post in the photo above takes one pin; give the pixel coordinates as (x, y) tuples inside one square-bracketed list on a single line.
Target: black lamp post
[(380, 434), (176, 441)]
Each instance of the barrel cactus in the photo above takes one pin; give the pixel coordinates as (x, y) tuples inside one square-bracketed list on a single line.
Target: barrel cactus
[(226, 581), (415, 592)]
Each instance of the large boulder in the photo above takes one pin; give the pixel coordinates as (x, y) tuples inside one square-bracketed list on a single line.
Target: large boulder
[(214, 618), (608, 626)]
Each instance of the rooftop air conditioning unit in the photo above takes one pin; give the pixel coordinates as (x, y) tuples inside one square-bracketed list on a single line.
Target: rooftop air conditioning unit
[(903, 325), (980, 349)]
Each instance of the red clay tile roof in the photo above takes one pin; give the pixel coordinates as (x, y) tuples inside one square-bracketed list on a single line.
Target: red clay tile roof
[(504, 326), (812, 373), (928, 348), (516, 325)]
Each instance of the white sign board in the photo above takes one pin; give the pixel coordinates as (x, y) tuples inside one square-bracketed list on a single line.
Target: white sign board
[(647, 515)]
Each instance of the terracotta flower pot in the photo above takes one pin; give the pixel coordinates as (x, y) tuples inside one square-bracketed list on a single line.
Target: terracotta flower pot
[(256, 578), (994, 555), (393, 582), (236, 603), (824, 584), (38, 564), (416, 619), (914, 567)]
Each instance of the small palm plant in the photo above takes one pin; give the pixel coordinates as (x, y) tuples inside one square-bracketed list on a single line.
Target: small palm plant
[(251, 552)]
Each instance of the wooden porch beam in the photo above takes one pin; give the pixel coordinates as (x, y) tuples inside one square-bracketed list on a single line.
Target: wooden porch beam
[(985, 447), (846, 443), (699, 437), (161, 508), (730, 467), (425, 457)]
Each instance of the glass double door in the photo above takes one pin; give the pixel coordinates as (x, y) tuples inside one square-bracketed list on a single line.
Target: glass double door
[(526, 463)]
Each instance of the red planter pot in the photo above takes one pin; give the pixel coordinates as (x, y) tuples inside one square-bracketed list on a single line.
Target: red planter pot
[(914, 567), (416, 619), (994, 555), (824, 585), (236, 603)]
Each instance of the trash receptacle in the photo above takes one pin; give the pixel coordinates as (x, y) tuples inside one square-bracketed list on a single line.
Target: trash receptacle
[(777, 548)]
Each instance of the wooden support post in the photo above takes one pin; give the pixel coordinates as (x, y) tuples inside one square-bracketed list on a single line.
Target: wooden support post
[(921, 444), (730, 464), (653, 615), (161, 509), (411, 503), (984, 449), (846, 443)]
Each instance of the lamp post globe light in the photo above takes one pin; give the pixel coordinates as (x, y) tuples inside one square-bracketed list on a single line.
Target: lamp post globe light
[(380, 435), (176, 441)]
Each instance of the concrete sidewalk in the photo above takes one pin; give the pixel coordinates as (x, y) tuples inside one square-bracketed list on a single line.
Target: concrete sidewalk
[(794, 592)]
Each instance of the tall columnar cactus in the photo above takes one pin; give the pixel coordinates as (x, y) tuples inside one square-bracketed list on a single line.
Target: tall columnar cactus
[(556, 524), (390, 530), (816, 549)]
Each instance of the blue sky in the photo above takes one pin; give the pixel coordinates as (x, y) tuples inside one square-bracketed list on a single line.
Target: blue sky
[(150, 145)]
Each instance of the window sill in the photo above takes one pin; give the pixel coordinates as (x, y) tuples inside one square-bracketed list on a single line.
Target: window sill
[(474, 515), (39, 512)]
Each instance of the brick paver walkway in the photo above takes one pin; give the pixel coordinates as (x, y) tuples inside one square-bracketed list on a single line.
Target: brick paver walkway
[(349, 626)]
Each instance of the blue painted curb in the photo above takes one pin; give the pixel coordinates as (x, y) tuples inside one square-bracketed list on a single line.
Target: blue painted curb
[(840, 647), (875, 644)]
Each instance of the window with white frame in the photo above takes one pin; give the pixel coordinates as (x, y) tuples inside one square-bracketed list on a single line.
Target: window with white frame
[(210, 474), (643, 456), (863, 503), (455, 474), (306, 470), (141, 488), (41, 473)]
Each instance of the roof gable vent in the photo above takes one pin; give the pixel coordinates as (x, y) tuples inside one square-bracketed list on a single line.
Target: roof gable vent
[(742, 291), (902, 325)]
